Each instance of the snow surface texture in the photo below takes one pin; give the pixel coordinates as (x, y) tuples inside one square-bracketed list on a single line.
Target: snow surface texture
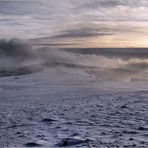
[(55, 98), (62, 106)]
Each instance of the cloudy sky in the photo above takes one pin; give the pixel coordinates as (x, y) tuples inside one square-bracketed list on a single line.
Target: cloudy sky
[(77, 23)]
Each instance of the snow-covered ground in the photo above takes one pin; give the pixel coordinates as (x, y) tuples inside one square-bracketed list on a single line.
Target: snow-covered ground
[(62, 106)]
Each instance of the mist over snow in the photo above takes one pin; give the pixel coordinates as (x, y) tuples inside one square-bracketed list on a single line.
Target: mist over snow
[(17, 53)]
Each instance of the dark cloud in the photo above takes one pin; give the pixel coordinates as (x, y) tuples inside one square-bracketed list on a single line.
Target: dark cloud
[(124, 53), (14, 7), (52, 44), (94, 4), (37, 19), (15, 48), (83, 33), (82, 30), (99, 4)]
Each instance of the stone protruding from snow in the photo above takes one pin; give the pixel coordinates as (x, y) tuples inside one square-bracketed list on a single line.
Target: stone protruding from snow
[(72, 141)]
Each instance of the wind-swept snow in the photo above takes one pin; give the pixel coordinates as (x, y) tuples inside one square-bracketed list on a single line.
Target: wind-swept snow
[(67, 107)]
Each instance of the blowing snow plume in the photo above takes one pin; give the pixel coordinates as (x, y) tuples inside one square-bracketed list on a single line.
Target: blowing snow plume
[(17, 57)]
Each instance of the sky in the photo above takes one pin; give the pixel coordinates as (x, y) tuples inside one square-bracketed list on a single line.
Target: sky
[(77, 23)]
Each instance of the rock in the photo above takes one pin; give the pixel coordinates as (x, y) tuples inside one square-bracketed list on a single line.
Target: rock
[(123, 106), (48, 120), (72, 141), (129, 132), (103, 133), (18, 133), (134, 145), (141, 128), (131, 139), (141, 142), (125, 146), (32, 144)]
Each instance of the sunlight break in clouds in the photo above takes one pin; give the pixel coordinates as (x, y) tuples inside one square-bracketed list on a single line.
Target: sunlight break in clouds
[(85, 23)]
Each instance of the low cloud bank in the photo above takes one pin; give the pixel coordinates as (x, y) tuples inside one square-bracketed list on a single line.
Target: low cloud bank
[(20, 57)]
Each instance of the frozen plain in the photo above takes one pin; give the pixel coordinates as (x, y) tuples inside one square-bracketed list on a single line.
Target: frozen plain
[(62, 106)]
